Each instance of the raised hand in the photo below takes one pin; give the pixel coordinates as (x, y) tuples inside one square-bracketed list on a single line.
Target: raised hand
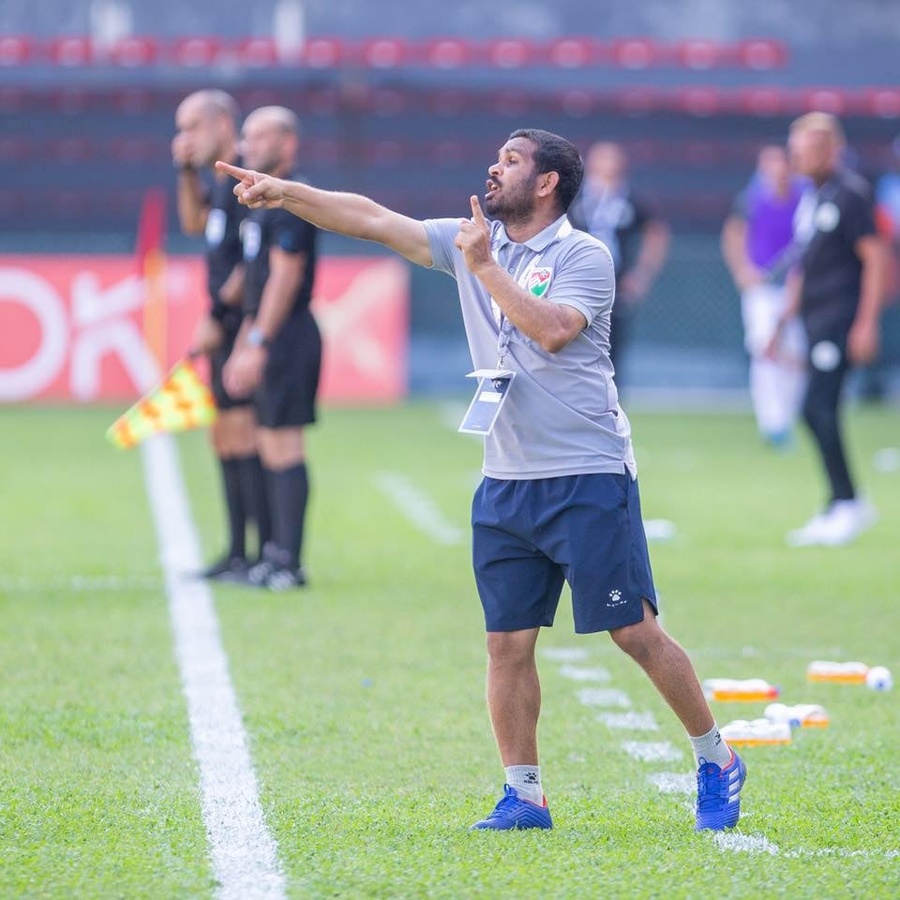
[(474, 237), (253, 189)]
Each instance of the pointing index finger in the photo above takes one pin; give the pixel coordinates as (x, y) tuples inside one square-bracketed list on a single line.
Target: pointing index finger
[(477, 215), (234, 171)]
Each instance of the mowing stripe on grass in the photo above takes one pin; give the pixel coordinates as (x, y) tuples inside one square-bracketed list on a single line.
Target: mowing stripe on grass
[(244, 855), (78, 583), (418, 507)]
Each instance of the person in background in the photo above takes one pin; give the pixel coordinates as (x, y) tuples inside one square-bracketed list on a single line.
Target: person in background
[(837, 287), (277, 357), (608, 208), (559, 500), (757, 244), (207, 123)]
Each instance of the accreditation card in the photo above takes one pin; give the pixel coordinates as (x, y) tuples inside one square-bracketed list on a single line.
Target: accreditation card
[(490, 395)]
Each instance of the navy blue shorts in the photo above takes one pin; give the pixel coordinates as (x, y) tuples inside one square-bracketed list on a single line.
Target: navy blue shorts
[(529, 537)]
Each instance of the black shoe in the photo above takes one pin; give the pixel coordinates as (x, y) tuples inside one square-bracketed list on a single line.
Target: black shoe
[(285, 578), (272, 559), (228, 568)]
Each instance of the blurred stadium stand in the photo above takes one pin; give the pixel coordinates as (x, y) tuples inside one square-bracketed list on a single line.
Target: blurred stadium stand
[(409, 107)]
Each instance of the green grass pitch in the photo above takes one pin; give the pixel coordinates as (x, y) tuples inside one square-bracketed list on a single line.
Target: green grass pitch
[(363, 698)]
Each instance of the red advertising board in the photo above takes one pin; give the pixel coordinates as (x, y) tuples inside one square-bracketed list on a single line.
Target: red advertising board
[(74, 328)]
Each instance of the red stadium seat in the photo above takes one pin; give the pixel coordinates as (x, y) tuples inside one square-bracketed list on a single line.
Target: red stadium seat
[(257, 52), (133, 52), (761, 101), (510, 53), (69, 150), (322, 53), (384, 53), (15, 149), (71, 51), (574, 53), (447, 53), (698, 54), (762, 54), (448, 102), (196, 52), (830, 100), (882, 102), (699, 101), (15, 50), (637, 53)]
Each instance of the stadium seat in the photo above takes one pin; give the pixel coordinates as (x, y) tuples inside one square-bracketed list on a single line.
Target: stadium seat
[(510, 53), (574, 53), (132, 52), (322, 53), (882, 102), (384, 53), (15, 50), (257, 52), (701, 55), (828, 100), (761, 54), (636, 53), (446, 53), (13, 100), (196, 52), (71, 51), (698, 101), (761, 101), (69, 150)]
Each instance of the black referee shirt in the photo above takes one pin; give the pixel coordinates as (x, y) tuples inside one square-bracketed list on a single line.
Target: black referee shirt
[(264, 229), (223, 239)]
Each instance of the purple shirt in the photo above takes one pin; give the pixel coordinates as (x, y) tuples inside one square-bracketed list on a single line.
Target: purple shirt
[(770, 220)]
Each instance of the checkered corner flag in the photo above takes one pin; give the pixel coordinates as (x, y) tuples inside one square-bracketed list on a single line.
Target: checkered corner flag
[(180, 403)]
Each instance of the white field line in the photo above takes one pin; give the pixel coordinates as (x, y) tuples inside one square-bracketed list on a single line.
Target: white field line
[(244, 855), (629, 721), (565, 654), (582, 673), (604, 697), (674, 782), (652, 751), (736, 842), (419, 508)]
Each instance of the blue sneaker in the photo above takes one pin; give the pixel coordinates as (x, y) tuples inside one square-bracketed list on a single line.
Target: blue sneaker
[(514, 812), (719, 794)]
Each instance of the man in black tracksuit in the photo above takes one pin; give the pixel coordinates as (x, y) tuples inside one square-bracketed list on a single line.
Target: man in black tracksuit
[(838, 289)]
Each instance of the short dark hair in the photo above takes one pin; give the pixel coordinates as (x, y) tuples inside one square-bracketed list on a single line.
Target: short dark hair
[(556, 154)]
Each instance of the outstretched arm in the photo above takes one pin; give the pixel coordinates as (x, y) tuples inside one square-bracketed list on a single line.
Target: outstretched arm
[(349, 214)]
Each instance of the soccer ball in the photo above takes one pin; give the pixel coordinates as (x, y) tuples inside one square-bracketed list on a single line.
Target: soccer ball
[(879, 678)]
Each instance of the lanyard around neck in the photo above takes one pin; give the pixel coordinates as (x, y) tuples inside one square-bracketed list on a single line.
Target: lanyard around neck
[(521, 277)]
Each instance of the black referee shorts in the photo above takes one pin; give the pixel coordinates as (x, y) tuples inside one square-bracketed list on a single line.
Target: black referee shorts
[(287, 397), (231, 325)]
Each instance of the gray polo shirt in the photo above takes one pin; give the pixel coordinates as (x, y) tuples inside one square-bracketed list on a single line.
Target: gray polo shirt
[(561, 415)]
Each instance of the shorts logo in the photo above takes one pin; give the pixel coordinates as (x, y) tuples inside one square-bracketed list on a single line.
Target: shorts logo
[(539, 281), (615, 598)]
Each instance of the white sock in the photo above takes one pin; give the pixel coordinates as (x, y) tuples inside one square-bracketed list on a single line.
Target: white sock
[(527, 782), (710, 747)]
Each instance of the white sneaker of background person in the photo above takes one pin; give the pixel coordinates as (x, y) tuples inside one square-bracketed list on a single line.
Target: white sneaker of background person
[(842, 522)]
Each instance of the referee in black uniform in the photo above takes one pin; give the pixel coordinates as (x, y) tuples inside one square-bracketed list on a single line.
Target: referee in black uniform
[(838, 288), (277, 358), (207, 127)]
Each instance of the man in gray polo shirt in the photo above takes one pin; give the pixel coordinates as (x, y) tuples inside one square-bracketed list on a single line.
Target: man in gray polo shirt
[(559, 499)]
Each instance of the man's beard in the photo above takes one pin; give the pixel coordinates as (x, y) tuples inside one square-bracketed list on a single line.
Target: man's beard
[(510, 207)]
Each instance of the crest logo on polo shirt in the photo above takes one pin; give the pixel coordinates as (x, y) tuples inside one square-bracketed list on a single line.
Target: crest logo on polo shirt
[(539, 281), (827, 217)]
